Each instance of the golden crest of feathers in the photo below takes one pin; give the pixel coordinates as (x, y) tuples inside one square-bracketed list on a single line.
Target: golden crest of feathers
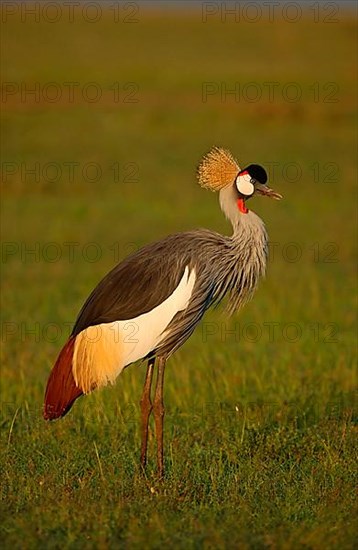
[(218, 169)]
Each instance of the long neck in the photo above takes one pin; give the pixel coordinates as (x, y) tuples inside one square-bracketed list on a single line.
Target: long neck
[(249, 246), (228, 203), (244, 225)]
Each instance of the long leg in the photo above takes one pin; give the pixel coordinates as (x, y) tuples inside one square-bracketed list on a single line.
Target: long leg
[(146, 408), (158, 409)]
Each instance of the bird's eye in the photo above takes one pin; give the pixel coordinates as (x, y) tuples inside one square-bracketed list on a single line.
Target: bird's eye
[(253, 181)]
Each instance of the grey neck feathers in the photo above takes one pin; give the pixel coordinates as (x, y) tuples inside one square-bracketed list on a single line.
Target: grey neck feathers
[(244, 225), (249, 247)]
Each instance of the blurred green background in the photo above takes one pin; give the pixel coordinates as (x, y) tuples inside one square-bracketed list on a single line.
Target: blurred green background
[(260, 425)]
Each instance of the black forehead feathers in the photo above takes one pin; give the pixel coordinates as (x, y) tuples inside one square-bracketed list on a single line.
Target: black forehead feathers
[(257, 172)]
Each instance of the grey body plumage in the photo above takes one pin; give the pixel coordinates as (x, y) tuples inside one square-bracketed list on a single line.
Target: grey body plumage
[(224, 266)]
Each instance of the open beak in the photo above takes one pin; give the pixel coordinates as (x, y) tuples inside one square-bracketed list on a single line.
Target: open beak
[(265, 190)]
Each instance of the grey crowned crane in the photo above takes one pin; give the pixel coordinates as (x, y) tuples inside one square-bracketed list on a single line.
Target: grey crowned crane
[(151, 302)]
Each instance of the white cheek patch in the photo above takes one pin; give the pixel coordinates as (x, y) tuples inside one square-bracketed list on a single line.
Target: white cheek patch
[(244, 185)]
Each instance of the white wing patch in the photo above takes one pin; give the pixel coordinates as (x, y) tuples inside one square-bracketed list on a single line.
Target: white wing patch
[(101, 352), (143, 333)]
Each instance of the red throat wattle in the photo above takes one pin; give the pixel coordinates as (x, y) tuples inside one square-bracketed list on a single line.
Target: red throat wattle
[(242, 206)]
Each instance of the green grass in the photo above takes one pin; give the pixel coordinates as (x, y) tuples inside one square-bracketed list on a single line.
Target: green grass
[(260, 438)]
